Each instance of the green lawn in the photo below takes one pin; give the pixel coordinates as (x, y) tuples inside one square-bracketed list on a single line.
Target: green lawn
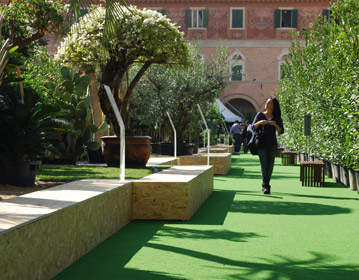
[(295, 233), (72, 172)]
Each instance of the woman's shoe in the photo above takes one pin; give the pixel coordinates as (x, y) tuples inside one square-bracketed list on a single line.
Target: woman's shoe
[(266, 191)]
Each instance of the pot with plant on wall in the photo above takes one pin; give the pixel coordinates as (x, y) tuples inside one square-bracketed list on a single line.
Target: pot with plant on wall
[(23, 127)]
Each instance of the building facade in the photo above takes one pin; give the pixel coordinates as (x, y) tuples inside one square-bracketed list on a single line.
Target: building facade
[(256, 32)]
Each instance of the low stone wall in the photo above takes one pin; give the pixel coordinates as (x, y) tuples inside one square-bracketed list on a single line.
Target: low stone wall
[(222, 163), (173, 194), (43, 232)]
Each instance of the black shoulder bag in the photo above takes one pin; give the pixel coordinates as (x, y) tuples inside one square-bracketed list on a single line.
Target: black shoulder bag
[(257, 141)]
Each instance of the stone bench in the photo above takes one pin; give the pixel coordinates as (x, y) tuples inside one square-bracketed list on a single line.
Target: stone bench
[(43, 232), (172, 194), (222, 162)]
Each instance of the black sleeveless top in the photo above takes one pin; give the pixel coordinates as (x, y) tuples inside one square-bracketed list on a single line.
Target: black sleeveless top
[(269, 130)]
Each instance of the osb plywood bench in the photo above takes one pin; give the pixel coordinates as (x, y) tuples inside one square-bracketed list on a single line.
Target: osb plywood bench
[(212, 150), (289, 158), (222, 162), (172, 194), (43, 232), (229, 148), (312, 173)]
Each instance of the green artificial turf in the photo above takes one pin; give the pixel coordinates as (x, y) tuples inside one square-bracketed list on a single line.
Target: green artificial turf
[(239, 233), (72, 172)]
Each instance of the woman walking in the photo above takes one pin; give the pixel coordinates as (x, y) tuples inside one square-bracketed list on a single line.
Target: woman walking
[(269, 122)]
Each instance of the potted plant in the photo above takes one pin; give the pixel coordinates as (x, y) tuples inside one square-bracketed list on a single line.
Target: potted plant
[(177, 91), (71, 95), (141, 37), (23, 127)]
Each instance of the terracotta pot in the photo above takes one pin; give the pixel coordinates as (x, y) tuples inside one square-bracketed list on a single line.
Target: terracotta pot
[(137, 150)]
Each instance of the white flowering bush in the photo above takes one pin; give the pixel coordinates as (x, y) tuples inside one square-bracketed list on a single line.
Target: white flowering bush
[(142, 37), (82, 44)]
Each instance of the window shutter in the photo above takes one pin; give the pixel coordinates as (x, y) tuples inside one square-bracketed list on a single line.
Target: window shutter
[(294, 18), (188, 18), (83, 12), (326, 14), (237, 18), (163, 12), (277, 18), (205, 18)]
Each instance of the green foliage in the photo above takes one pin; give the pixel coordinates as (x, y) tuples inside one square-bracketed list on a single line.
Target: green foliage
[(178, 91), (71, 95), (38, 69), (23, 126), (321, 80), (26, 21)]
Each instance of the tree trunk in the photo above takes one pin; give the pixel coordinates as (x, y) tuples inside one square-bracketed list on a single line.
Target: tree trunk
[(95, 104)]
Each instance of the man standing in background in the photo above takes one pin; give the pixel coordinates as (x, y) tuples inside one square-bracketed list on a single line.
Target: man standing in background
[(235, 131)]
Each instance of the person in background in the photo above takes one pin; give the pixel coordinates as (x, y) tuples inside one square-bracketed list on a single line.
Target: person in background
[(235, 131), (249, 132), (271, 122), (244, 138)]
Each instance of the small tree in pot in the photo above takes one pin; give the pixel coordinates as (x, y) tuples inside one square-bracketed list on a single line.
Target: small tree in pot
[(178, 91), (142, 37)]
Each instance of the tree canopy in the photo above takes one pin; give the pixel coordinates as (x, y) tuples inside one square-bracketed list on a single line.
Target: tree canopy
[(321, 80), (143, 37)]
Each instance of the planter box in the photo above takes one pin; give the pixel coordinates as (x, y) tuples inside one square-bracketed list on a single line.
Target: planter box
[(19, 173), (352, 180), (182, 149)]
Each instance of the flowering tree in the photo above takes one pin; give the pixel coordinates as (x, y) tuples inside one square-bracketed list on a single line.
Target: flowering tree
[(142, 37)]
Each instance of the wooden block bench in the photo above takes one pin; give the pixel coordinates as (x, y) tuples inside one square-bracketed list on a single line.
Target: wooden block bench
[(229, 148), (172, 194), (222, 162), (213, 150), (312, 173), (289, 158), (43, 232)]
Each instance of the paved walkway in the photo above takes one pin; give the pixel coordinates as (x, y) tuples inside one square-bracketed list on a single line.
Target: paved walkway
[(239, 233)]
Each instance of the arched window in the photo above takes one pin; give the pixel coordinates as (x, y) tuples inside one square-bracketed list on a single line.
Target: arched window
[(237, 63), (282, 59)]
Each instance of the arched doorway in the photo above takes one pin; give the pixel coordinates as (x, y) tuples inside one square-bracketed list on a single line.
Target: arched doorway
[(245, 107)]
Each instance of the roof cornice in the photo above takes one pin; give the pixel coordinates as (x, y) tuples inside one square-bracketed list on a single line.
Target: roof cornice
[(223, 1)]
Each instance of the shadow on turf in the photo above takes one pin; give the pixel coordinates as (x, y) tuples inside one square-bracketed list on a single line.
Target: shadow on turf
[(318, 266), (286, 208)]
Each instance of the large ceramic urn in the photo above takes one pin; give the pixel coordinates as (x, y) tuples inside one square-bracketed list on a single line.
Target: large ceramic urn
[(137, 150)]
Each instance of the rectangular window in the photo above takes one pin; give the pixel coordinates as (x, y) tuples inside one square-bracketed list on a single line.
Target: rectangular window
[(237, 18), (237, 73), (197, 18), (327, 15), (286, 18)]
